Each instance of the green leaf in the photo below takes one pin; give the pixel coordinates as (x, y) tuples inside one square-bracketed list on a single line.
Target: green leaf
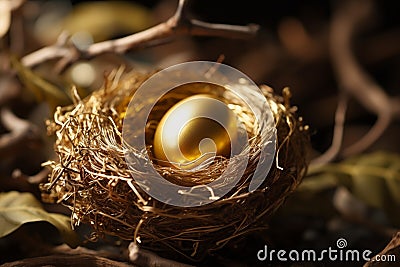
[(319, 183), (373, 178), (17, 209)]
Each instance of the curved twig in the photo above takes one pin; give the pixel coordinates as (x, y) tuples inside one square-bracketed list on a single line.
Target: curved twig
[(143, 258), (22, 131), (37, 178), (67, 260), (340, 118), (351, 76)]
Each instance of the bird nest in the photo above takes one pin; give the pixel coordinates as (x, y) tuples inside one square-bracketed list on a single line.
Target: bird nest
[(92, 177)]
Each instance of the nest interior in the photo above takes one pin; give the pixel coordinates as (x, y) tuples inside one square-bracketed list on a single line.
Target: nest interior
[(92, 178)]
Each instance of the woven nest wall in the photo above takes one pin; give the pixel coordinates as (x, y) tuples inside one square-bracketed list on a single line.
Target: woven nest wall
[(92, 178)]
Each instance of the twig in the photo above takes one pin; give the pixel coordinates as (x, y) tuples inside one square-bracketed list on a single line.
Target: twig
[(352, 78), (340, 117), (6, 8), (22, 132), (67, 260), (178, 24), (137, 256), (15, 4), (38, 178), (9, 88), (393, 249), (396, 107), (63, 255), (64, 249), (144, 258), (16, 32)]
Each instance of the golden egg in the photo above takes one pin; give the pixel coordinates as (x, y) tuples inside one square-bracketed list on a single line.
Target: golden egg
[(194, 131)]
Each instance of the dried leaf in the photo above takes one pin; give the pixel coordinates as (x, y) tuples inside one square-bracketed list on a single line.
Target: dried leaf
[(17, 209), (5, 17)]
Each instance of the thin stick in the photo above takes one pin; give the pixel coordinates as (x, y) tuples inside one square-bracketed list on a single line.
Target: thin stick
[(340, 118), (22, 132), (67, 260), (352, 78), (143, 257), (37, 178)]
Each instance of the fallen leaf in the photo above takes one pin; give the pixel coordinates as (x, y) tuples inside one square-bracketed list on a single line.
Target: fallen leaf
[(17, 209)]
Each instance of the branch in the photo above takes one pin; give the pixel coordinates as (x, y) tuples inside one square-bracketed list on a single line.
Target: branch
[(146, 258), (36, 179), (22, 132), (15, 4), (67, 260), (178, 24), (352, 78), (6, 7), (9, 89), (393, 248), (340, 118), (63, 255)]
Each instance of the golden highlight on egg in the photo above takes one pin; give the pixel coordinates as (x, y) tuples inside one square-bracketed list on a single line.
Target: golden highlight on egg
[(194, 131)]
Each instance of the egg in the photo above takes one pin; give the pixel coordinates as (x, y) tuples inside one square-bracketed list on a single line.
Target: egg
[(194, 131)]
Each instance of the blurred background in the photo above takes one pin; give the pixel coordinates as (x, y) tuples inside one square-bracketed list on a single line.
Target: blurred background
[(353, 196)]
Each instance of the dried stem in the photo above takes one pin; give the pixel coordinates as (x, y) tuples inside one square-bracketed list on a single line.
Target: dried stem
[(340, 118), (15, 4), (67, 260), (178, 24), (6, 8), (9, 89), (391, 249), (37, 178), (352, 77), (22, 132), (63, 255), (143, 257)]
